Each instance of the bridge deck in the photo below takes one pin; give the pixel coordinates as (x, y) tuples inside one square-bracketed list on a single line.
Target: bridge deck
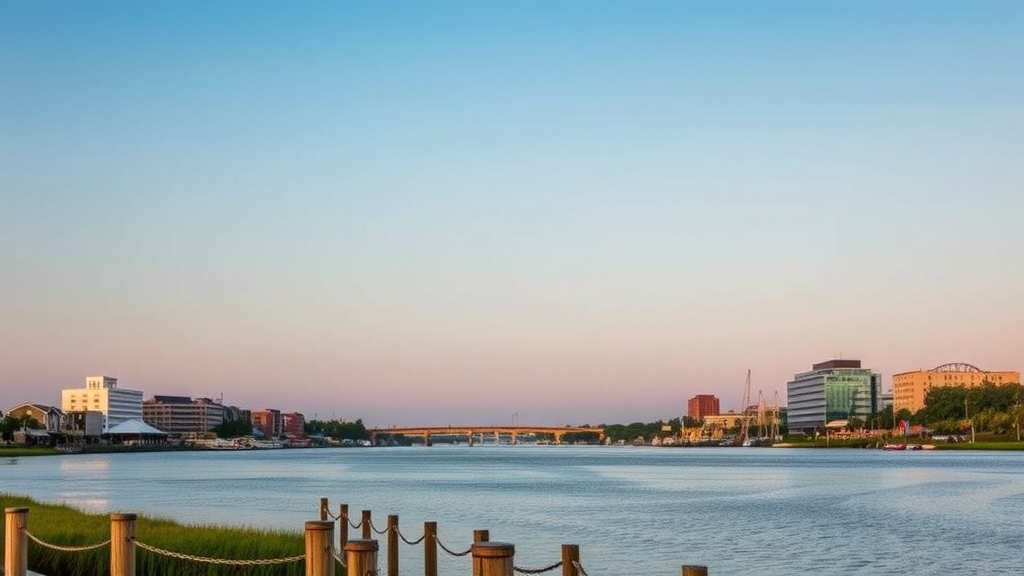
[(469, 431)]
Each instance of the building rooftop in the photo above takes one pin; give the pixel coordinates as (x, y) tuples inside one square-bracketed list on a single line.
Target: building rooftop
[(834, 364)]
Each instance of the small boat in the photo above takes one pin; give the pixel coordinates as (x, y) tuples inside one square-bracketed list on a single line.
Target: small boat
[(894, 447)]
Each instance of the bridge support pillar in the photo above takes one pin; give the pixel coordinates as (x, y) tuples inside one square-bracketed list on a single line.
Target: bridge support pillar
[(426, 437), (558, 437)]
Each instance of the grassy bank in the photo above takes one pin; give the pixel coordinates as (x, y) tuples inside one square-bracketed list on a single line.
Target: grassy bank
[(64, 526), (15, 451), (987, 444)]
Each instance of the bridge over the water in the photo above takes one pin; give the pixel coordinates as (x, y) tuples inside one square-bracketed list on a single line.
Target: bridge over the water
[(470, 431)]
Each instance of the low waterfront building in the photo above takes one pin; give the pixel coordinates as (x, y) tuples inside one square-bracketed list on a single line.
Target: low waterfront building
[(137, 433), (83, 425), (49, 417), (831, 390), (101, 394), (182, 414), (725, 421), (910, 388)]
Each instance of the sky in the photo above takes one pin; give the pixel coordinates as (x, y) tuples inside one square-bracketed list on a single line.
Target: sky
[(548, 212)]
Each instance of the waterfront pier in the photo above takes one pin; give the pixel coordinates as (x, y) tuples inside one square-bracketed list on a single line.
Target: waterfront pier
[(328, 550)]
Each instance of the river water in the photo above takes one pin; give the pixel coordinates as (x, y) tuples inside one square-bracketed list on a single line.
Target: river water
[(632, 510)]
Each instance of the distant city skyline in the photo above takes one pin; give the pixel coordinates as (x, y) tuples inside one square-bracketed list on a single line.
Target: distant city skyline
[(577, 213)]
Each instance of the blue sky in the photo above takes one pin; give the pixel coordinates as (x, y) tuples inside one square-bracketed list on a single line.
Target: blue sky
[(579, 212)]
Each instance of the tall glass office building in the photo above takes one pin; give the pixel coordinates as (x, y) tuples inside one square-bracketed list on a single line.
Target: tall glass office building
[(832, 390)]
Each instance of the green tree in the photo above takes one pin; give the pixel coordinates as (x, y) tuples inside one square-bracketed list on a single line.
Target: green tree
[(1017, 419), (234, 428), (338, 429), (8, 426)]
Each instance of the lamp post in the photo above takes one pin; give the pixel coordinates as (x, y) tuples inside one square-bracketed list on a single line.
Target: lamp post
[(967, 417)]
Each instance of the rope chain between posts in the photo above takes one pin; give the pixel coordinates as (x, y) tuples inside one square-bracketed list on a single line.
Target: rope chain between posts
[(351, 523), (410, 542), (223, 561), (579, 568), (374, 528), (340, 559), (328, 512), (85, 548), (537, 570), (445, 548)]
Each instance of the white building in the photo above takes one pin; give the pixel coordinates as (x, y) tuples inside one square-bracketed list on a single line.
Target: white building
[(101, 394)]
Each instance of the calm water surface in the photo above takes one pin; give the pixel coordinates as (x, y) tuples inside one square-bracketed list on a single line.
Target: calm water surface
[(632, 510)]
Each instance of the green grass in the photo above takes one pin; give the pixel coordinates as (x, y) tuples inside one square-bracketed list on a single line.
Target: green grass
[(64, 526), (15, 451), (980, 445), (985, 444)]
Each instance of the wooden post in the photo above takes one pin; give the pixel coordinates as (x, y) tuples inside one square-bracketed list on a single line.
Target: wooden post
[(481, 536), (430, 549), (493, 559), (392, 544), (343, 526), (695, 571), (122, 544), (323, 509), (15, 542), (361, 557), (367, 524), (570, 557), (319, 540)]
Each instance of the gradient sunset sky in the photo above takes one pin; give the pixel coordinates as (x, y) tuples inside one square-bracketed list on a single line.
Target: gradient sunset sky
[(453, 212)]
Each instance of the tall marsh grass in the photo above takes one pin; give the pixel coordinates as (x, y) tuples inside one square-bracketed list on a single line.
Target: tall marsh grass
[(65, 526)]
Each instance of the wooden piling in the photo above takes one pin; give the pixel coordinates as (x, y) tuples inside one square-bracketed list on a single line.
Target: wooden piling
[(361, 557), (122, 544), (319, 540), (695, 571), (342, 526), (15, 541), (367, 524), (392, 544), (493, 559), (570, 557), (323, 509), (481, 535), (430, 549)]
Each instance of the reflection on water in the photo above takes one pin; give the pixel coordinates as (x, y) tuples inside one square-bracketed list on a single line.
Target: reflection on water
[(85, 502), (632, 510), (87, 463)]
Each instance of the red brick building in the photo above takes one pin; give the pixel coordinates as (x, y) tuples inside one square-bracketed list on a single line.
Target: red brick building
[(294, 425), (702, 405)]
